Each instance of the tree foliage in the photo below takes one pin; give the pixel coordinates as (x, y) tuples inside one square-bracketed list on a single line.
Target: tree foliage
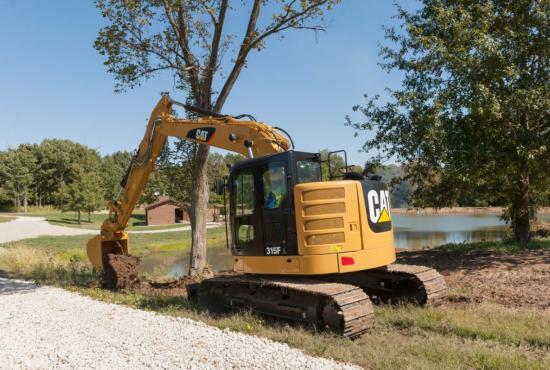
[(17, 167), (60, 173), (112, 168), (81, 190), (472, 118)]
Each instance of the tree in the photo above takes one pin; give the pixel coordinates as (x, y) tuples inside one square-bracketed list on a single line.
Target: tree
[(472, 115), (81, 190), (187, 39), (113, 168), (17, 170), (400, 189), (177, 163), (55, 158)]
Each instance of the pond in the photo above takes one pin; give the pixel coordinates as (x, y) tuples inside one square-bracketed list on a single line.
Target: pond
[(411, 231), (416, 231)]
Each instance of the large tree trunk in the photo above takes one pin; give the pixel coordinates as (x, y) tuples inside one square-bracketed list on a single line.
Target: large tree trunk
[(78, 213), (199, 208), (520, 212)]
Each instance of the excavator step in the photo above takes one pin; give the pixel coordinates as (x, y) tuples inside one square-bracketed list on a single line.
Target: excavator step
[(340, 308)]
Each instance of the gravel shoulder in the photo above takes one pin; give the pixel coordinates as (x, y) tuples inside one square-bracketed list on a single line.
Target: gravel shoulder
[(45, 327)]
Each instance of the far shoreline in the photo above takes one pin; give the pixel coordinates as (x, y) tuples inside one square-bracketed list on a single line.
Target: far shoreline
[(457, 211)]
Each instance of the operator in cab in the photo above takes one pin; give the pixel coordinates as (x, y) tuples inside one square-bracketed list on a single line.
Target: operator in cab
[(275, 187)]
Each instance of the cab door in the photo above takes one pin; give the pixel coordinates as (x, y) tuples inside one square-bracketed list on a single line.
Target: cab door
[(245, 214), (276, 209)]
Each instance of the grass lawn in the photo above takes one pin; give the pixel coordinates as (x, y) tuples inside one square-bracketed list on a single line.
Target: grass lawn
[(136, 222), (457, 335)]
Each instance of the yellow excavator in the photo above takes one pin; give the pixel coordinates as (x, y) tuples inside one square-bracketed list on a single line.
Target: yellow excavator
[(307, 249)]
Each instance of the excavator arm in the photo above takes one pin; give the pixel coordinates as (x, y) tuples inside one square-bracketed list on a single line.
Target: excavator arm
[(249, 138)]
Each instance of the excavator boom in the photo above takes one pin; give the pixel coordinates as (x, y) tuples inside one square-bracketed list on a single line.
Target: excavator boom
[(249, 138)]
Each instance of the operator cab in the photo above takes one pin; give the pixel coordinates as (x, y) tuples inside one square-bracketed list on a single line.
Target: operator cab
[(262, 205)]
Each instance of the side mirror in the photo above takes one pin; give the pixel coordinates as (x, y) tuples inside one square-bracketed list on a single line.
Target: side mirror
[(337, 164)]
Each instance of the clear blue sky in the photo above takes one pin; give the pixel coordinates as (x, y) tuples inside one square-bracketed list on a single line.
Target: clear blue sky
[(53, 83)]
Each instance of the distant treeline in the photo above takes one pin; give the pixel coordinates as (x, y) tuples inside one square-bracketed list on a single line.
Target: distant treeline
[(72, 177), (59, 173)]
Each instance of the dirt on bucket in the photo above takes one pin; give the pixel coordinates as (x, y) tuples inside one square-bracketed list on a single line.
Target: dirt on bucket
[(120, 271)]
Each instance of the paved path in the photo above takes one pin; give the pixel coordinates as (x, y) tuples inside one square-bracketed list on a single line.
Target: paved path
[(45, 327), (31, 227)]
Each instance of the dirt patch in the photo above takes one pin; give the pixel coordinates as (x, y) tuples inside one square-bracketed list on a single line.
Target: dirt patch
[(184, 286), (519, 279), (171, 288), (120, 271)]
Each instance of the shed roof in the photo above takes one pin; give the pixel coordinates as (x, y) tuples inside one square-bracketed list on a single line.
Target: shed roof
[(161, 202)]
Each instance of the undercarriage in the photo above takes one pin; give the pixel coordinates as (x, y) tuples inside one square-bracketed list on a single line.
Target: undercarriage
[(340, 303)]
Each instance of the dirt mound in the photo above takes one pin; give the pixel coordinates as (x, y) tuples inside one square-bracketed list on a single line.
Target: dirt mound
[(519, 279), (120, 271)]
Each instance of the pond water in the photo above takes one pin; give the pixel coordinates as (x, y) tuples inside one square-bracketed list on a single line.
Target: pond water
[(416, 231), (411, 231)]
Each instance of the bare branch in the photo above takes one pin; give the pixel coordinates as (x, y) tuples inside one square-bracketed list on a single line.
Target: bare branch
[(288, 20), (214, 51), (180, 30), (243, 52)]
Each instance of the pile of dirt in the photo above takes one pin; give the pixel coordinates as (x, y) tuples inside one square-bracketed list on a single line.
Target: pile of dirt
[(519, 279), (120, 271), (184, 286)]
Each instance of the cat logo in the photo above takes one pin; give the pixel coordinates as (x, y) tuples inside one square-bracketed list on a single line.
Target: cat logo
[(203, 134), (379, 206)]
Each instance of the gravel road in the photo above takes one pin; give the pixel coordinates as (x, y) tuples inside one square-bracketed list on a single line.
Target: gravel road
[(45, 327), (31, 227)]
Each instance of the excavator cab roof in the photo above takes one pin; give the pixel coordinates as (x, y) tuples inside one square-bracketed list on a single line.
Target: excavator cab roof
[(288, 156)]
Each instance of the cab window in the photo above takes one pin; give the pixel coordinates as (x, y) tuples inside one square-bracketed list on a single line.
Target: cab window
[(308, 171), (275, 188), (244, 194)]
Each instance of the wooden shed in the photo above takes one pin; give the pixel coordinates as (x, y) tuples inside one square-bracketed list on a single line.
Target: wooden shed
[(165, 211)]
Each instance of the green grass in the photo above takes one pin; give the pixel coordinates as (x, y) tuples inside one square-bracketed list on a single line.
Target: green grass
[(136, 222), (478, 322), (481, 336), (64, 248)]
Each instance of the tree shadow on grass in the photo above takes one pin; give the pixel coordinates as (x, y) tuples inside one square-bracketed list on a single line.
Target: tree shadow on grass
[(9, 285), (141, 221), (69, 221)]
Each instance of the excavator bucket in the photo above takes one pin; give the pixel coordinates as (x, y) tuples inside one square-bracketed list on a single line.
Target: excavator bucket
[(98, 247)]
